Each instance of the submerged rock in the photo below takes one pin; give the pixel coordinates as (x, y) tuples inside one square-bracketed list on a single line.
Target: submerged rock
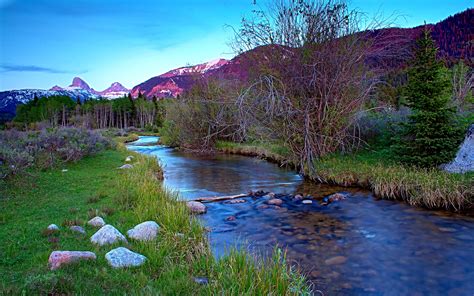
[(236, 201), (123, 257), (96, 222), (275, 201), (231, 218), (332, 198), (107, 235), (298, 197), (59, 258), (145, 231), (78, 229), (196, 207), (464, 160), (335, 260)]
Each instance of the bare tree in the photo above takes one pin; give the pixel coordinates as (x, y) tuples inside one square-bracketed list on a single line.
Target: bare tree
[(313, 75)]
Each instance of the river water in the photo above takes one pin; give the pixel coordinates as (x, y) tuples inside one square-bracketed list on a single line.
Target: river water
[(358, 246)]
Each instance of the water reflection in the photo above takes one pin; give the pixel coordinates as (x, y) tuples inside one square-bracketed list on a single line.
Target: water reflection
[(358, 246)]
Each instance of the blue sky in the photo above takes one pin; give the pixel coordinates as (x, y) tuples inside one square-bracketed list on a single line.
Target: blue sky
[(48, 42)]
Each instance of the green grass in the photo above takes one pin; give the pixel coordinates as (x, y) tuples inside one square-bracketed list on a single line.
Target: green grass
[(431, 188), (270, 151), (376, 170), (94, 185)]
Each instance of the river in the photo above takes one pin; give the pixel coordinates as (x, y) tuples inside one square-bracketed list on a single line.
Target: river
[(357, 246)]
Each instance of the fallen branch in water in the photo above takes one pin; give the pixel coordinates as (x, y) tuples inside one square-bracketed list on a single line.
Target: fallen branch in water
[(219, 198)]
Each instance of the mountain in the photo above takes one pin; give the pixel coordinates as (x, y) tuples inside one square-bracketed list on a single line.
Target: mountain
[(11, 98), (115, 90), (174, 82), (79, 89)]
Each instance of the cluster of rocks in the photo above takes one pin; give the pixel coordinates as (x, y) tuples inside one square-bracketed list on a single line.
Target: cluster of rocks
[(274, 200), (107, 235), (127, 165)]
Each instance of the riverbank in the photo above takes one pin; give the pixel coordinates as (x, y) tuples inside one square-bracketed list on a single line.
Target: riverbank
[(371, 170), (93, 185)]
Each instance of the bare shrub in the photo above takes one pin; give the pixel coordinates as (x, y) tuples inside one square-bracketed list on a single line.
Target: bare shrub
[(316, 71)]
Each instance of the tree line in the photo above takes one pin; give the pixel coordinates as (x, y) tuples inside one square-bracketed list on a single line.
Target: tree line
[(120, 113)]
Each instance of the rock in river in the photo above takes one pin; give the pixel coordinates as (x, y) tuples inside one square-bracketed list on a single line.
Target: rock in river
[(275, 201), (196, 207), (335, 260), (145, 231), (123, 257), (96, 222), (107, 235), (58, 258)]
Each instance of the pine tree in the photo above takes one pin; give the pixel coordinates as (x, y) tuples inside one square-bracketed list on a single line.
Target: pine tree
[(431, 135)]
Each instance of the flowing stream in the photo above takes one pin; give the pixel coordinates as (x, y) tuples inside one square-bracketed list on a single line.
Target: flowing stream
[(357, 246)]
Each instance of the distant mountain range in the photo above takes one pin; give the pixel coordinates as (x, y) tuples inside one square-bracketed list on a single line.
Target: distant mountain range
[(454, 37), (115, 90)]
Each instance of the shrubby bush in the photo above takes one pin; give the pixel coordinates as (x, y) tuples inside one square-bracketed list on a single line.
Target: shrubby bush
[(46, 148)]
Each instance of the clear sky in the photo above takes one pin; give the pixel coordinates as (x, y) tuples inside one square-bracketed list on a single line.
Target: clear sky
[(48, 42)]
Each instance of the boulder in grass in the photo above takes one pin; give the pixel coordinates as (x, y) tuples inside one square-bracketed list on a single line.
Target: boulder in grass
[(78, 229), (126, 167), (52, 227), (122, 257), (107, 235), (128, 159), (145, 231), (196, 207), (96, 222), (59, 258)]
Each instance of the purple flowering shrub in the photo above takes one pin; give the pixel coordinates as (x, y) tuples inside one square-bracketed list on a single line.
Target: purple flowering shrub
[(47, 148)]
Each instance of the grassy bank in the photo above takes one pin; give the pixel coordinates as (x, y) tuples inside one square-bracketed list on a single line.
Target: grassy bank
[(271, 152), (93, 186), (429, 188)]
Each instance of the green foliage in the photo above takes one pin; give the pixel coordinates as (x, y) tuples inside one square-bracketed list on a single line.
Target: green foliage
[(53, 109), (136, 195), (430, 188), (432, 134)]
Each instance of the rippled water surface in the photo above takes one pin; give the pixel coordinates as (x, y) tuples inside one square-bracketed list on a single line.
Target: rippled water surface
[(357, 246)]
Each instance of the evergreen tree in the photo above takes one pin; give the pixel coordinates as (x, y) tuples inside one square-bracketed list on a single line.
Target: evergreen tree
[(431, 135)]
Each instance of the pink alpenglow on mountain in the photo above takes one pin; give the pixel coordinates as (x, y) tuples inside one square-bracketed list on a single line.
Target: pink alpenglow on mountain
[(115, 90), (79, 83), (175, 82)]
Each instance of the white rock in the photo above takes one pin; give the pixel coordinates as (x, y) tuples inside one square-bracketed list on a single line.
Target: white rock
[(464, 160), (107, 235), (145, 231), (79, 229), (196, 207), (126, 166), (58, 258), (53, 227), (128, 159), (96, 222), (307, 202), (123, 257), (64, 170)]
